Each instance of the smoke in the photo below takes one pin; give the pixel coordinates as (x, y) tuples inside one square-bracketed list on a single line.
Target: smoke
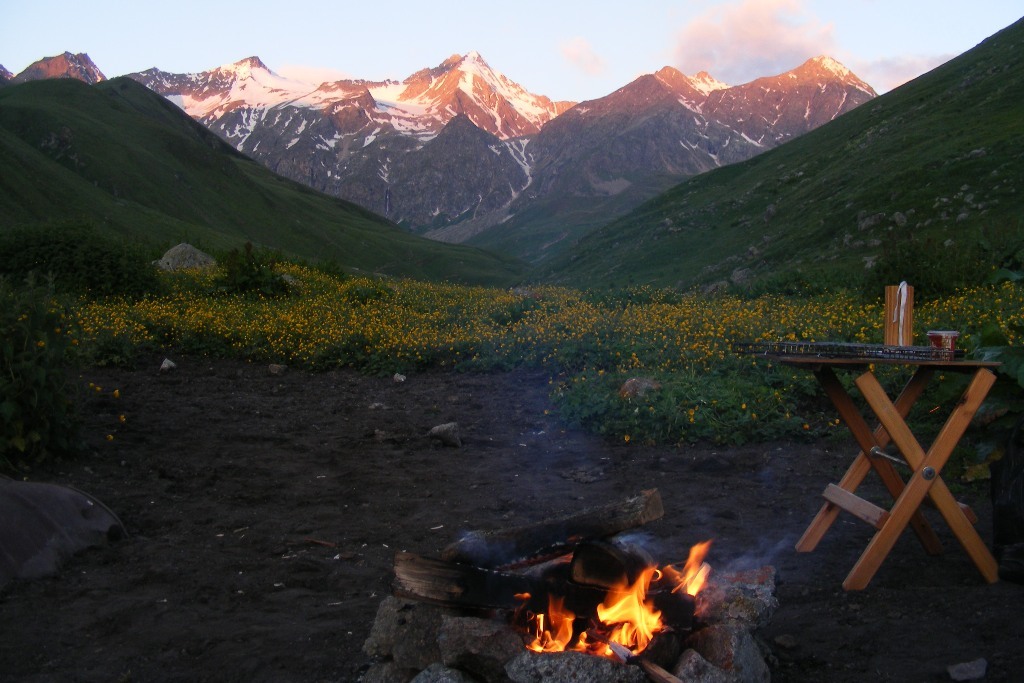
[(764, 553)]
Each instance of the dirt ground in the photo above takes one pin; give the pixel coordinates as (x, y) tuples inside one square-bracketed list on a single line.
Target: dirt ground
[(264, 513)]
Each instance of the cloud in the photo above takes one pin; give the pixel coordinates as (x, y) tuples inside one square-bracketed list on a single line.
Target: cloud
[(891, 72), (744, 40), (311, 74), (581, 55)]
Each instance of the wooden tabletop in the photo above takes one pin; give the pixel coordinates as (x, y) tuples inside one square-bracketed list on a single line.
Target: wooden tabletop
[(959, 364)]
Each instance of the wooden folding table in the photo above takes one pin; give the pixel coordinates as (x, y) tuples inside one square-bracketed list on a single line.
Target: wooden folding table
[(925, 481)]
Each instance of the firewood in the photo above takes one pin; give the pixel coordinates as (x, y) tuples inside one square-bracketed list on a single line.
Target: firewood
[(459, 585), (601, 563), (504, 546), (452, 584)]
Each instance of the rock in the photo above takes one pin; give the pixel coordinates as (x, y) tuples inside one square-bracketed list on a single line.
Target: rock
[(741, 276), (638, 386), (747, 597), (276, 369), (447, 434), (786, 641), (439, 673), (693, 668), (167, 365), (968, 671), (388, 672), (731, 647), (183, 257), (407, 631), (481, 647), (533, 667)]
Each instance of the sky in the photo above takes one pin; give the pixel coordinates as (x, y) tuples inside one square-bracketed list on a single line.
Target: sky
[(572, 50)]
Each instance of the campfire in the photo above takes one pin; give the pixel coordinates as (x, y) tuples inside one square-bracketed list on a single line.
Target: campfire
[(573, 585), (640, 600)]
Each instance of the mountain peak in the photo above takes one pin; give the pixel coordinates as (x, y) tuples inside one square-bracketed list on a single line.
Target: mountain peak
[(476, 57), (826, 63), (706, 83), (828, 67), (78, 66), (244, 67)]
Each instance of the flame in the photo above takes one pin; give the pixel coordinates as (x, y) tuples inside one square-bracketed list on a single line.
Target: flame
[(695, 572), (553, 630), (626, 617), (633, 619)]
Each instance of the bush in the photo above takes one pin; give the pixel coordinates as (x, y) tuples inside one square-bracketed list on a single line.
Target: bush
[(78, 258), (37, 416), (249, 272)]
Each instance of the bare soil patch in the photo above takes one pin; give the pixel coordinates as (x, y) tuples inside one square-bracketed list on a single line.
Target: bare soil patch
[(265, 511)]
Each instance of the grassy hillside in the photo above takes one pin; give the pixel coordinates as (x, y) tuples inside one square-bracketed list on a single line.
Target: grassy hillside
[(925, 183), (124, 159)]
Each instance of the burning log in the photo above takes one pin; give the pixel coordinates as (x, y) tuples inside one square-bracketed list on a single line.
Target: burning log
[(604, 564), (452, 584), (554, 537)]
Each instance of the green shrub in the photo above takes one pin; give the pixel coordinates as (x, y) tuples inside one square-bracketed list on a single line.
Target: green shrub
[(78, 258), (249, 272), (939, 269), (37, 416)]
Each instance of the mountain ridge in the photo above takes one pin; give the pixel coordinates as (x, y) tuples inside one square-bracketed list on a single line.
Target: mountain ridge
[(120, 157), (923, 185), (553, 170)]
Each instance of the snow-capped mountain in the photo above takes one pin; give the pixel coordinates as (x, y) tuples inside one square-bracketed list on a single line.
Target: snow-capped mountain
[(459, 150), (67, 65), (419, 106)]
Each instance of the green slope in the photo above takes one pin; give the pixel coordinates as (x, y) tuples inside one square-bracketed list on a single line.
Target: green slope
[(128, 161), (922, 183)]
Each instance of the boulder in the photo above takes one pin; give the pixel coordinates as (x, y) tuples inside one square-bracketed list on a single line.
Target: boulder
[(183, 257)]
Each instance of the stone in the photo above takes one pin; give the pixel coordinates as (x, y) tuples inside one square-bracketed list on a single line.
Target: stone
[(741, 276), (564, 667), (167, 365), (786, 641), (968, 671), (731, 647), (183, 257), (638, 386), (481, 647), (439, 673), (693, 668), (746, 596), (406, 632), (388, 672), (447, 434)]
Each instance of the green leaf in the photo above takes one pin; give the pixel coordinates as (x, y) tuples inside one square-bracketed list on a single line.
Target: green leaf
[(8, 409)]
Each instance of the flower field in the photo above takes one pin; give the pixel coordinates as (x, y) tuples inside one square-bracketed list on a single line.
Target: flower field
[(590, 342)]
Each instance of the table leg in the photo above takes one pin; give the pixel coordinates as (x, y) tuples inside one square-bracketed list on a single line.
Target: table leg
[(926, 480), (862, 464)]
